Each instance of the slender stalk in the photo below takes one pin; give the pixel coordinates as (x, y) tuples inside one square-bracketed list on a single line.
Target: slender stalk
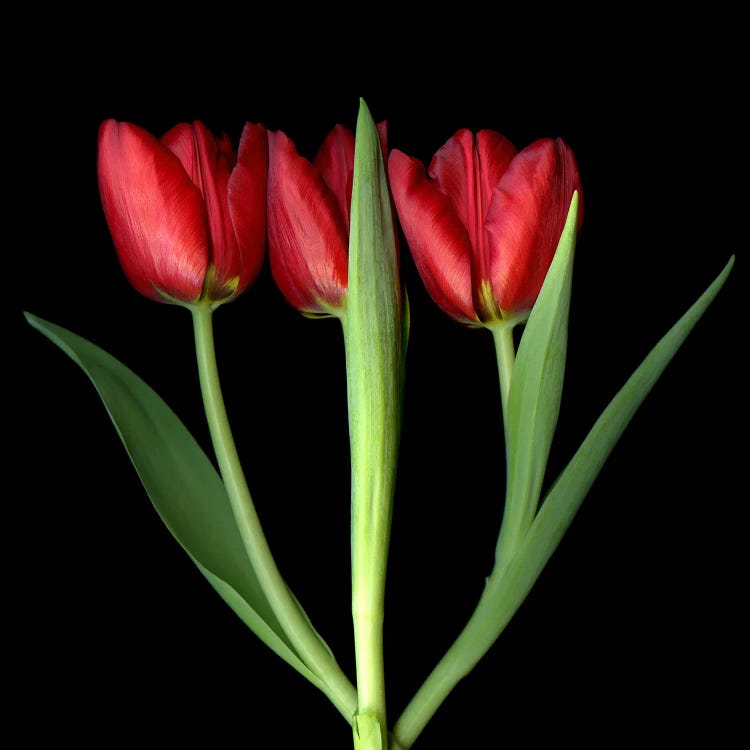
[(504, 592), (299, 631), (474, 641), (483, 628), (505, 350), (502, 332)]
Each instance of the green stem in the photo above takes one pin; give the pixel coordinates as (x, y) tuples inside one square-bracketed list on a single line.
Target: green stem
[(505, 350), (482, 629), (298, 629), (367, 612), (495, 608)]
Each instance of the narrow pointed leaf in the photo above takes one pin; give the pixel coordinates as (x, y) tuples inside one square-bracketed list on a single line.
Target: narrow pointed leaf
[(535, 392), (182, 483), (567, 494), (375, 333)]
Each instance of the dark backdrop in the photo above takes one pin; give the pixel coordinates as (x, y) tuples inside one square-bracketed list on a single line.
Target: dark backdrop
[(631, 630)]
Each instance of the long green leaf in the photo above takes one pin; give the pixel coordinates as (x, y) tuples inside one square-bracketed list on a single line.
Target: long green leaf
[(183, 485), (535, 392), (374, 337), (570, 489)]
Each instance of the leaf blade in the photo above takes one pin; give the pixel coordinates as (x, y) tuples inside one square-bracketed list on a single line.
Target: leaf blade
[(536, 391), (569, 490), (181, 482)]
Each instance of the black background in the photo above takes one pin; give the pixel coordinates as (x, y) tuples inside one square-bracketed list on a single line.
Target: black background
[(632, 630)]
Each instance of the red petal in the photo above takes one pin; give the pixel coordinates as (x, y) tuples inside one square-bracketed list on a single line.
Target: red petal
[(209, 163), (452, 169), (154, 211), (335, 162), (467, 171), (495, 155), (180, 140), (247, 201), (526, 219), (308, 245), (436, 236)]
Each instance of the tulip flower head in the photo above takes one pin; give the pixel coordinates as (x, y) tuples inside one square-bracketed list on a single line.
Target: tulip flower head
[(308, 220), (186, 213), (484, 222)]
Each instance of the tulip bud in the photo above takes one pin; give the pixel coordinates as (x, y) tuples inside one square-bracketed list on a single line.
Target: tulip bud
[(187, 214), (484, 225)]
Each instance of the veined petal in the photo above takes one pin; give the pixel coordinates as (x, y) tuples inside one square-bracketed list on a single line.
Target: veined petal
[(308, 244), (210, 162), (467, 169), (495, 154), (335, 162), (180, 140), (437, 237), (154, 211), (452, 169), (526, 218), (247, 201)]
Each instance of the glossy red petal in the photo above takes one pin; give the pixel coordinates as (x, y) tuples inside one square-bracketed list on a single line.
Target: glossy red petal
[(452, 169), (154, 211), (467, 169), (495, 155), (180, 140), (247, 201), (210, 162), (526, 219), (436, 236), (335, 162), (307, 237), (217, 166)]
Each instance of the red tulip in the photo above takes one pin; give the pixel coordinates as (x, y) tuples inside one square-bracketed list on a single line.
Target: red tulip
[(308, 220), (187, 214), (484, 226)]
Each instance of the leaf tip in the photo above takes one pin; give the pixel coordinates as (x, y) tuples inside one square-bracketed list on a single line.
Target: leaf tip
[(365, 123), (32, 320)]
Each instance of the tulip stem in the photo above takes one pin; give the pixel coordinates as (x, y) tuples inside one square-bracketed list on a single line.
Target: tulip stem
[(306, 642), (505, 350), (497, 604), (482, 629)]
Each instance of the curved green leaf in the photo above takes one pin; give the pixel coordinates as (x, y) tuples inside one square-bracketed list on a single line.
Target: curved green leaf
[(569, 490), (535, 392), (183, 485)]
